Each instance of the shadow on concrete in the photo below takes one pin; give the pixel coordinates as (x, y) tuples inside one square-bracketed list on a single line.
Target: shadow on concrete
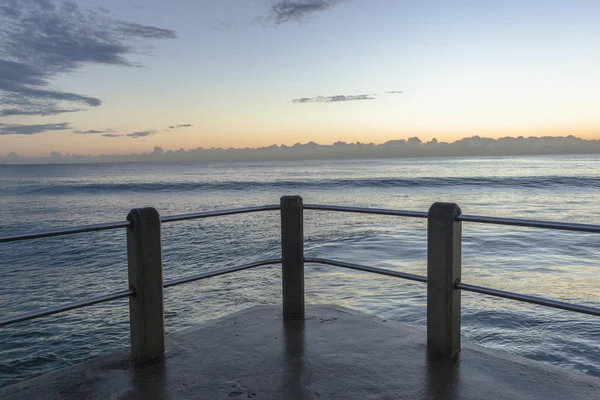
[(147, 381), (294, 376), (442, 377)]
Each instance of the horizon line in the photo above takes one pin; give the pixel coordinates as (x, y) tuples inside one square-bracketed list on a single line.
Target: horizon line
[(410, 147)]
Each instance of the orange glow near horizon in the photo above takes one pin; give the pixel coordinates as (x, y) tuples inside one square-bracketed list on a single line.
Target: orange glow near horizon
[(67, 142)]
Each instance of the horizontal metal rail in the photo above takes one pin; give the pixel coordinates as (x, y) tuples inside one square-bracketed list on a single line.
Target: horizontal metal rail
[(363, 210), (205, 275), (125, 224), (218, 213), (64, 231), (65, 307), (565, 226), (464, 286), (126, 293), (529, 299), (530, 223), (365, 268)]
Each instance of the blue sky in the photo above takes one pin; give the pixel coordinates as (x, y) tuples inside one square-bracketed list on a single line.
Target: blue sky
[(253, 72)]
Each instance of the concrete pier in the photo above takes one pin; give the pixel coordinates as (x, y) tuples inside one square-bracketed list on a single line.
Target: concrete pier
[(335, 353)]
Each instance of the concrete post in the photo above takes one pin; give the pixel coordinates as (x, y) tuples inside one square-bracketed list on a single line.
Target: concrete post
[(292, 254), (144, 254), (443, 271)]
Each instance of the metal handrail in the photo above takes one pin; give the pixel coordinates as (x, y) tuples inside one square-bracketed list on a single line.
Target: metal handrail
[(358, 267), (125, 224), (464, 286), (65, 307), (64, 231), (366, 210), (531, 223), (218, 213), (529, 299), (126, 293), (205, 275), (361, 210)]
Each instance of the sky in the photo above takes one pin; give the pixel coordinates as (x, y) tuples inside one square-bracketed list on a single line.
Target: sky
[(116, 77)]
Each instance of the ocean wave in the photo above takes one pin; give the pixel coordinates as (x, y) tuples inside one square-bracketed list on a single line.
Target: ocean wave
[(535, 182)]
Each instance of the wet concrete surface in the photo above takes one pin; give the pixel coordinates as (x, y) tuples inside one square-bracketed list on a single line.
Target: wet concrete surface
[(335, 353)]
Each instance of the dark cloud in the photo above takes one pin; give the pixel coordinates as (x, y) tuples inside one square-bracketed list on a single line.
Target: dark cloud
[(136, 135), (92, 131), (282, 11), (334, 99), (40, 39), (180, 126), (11, 129), (42, 111), (111, 135), (395, 92)]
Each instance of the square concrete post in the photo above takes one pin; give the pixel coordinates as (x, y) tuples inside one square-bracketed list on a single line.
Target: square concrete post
[(443, 271), (144, 255), (292, 254)]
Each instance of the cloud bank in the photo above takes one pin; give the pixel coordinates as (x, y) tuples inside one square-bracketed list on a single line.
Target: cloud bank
[(41, 39), (412, 147)]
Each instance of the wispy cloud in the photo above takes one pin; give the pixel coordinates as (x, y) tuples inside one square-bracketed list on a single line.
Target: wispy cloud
[(140, 134), (340, 98), (180, 126), (93, 131), (224, 25), (13, 129), (110, 133), (282, 11), (40, 39), (334, 99)]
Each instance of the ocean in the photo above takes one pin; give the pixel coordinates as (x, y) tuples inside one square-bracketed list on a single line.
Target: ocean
[(51, 271)]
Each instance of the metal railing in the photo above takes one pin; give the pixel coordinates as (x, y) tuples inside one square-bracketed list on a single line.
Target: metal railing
[(125, 224), (444, 241)]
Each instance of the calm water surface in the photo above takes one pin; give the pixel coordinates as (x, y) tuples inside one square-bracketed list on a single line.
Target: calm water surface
[(51, 271)]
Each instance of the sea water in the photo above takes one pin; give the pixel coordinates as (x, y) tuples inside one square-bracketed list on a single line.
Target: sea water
[(51, 271)]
